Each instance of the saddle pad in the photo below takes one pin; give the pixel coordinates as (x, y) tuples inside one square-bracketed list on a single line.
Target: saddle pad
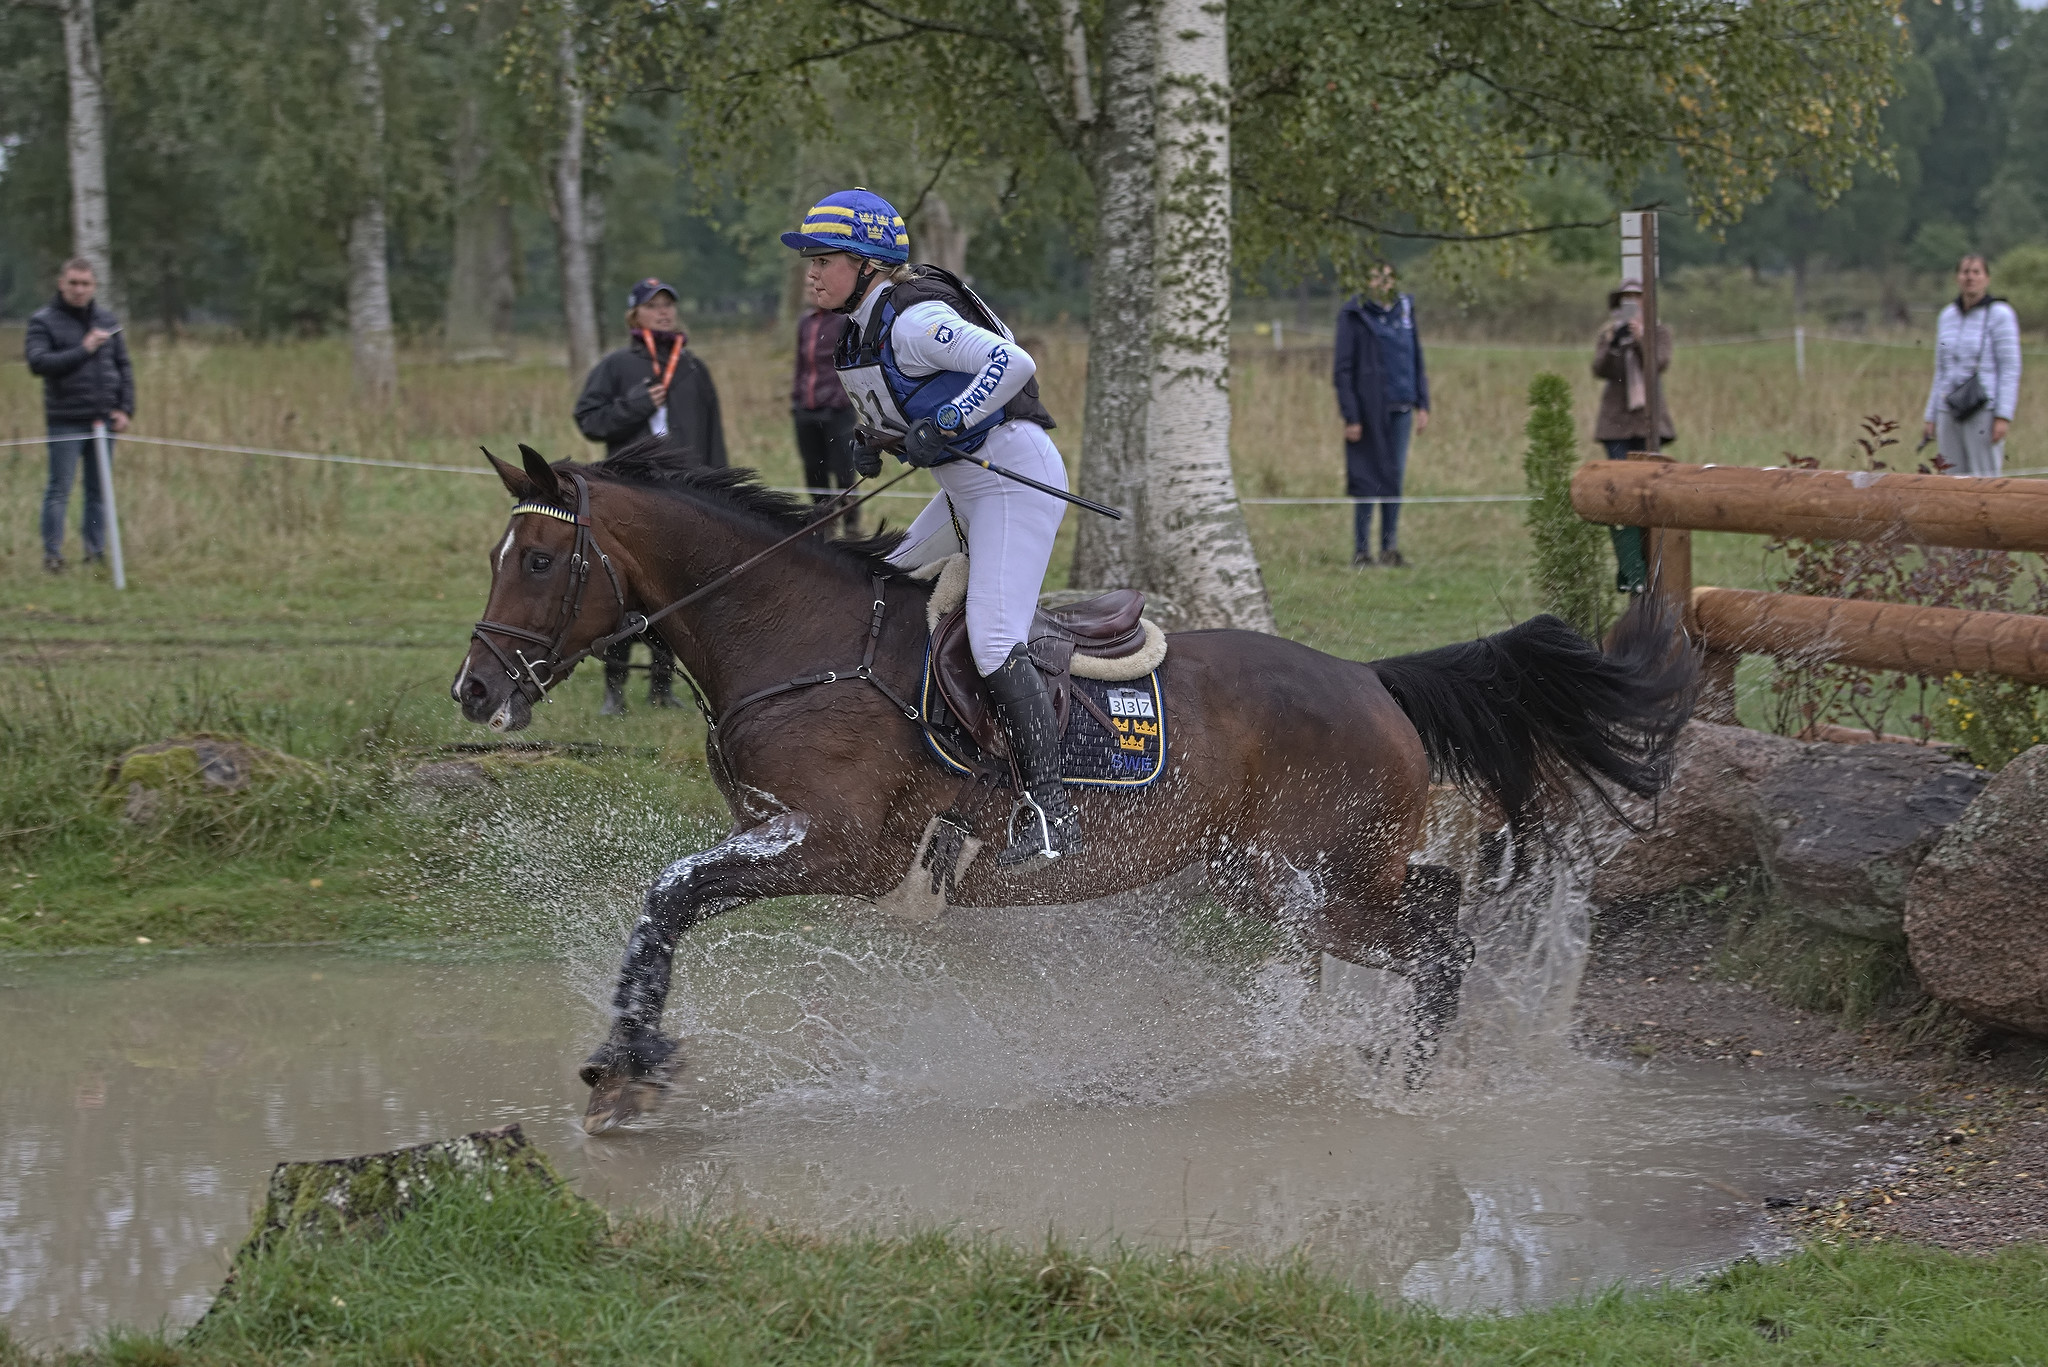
[(1131, 753)]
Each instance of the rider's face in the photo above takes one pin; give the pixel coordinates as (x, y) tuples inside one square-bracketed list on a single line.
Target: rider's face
[(828, 280)]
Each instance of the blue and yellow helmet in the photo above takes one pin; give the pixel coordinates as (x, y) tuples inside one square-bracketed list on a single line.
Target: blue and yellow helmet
[(857, 221)]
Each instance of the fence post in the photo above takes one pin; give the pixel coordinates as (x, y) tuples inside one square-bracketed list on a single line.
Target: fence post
[(1279, 335), (1799, 351), (104, 457)]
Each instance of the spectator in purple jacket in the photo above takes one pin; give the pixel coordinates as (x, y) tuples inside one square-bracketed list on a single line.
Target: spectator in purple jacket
[(822, 412), (1383, 394)]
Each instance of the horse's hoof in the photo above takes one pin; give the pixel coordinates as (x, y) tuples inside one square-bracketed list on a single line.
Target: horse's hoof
[(616, 1100), (627, 1078)]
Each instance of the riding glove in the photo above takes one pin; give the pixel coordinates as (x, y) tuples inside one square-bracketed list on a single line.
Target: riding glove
[(867, 460), (924, 445)]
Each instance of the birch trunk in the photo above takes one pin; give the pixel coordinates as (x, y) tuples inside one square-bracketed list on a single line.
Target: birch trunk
[(86, 142), (1109, 554), (940, 240), (1197, 551), (572, 228), (477, 324), (374, 356)]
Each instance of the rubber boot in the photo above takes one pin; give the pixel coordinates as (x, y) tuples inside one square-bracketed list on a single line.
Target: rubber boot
[(1044, 826), (661, 689)]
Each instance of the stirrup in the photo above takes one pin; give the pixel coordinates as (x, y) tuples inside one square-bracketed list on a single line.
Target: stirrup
[(1011, 856)]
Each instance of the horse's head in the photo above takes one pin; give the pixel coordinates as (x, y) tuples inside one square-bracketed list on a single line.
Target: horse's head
[(537, 625)]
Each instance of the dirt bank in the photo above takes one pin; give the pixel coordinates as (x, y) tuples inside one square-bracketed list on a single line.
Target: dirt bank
[(1971, 1168)]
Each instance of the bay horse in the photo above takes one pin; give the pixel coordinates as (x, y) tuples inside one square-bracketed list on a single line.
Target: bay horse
[(1295, 780)]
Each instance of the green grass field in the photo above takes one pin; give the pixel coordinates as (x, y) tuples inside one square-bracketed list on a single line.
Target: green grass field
[(322, 610)]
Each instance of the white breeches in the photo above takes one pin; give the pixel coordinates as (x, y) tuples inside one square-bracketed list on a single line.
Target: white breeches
[(1010, 531)]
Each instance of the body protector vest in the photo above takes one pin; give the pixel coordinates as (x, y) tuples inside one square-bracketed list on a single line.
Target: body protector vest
[(889, 402)]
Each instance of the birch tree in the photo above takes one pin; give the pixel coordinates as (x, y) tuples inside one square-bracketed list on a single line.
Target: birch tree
[(371, 344), (477, 315), (86, 145), (573, 235), (1196, 548)]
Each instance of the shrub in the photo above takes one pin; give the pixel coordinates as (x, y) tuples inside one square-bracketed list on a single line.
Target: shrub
[(1992, 719), (1571, 553)]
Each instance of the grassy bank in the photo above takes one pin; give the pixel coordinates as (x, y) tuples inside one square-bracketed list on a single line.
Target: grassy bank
[(534, 1277), (320, 609)]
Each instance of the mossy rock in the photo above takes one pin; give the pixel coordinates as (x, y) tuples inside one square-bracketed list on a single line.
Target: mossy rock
[(151, 781), (343, 1197)]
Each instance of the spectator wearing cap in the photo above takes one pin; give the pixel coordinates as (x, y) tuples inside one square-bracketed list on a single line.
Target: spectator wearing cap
[(1624, 421), (653, 386), (819, 407)]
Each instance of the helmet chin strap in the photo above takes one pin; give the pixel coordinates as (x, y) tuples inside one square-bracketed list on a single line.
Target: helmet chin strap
[(860, 286)]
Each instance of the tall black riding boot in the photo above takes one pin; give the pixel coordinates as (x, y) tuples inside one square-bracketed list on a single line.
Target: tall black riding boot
[(1043, 826)]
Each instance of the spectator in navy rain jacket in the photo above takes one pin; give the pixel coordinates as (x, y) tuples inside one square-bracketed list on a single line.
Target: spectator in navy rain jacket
[(1383, 394), (77, 347)]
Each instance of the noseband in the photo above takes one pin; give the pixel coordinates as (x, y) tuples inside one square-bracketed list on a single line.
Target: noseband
[(536, 676)]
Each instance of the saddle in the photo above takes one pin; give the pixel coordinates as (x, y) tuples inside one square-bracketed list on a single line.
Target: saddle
[(1110, 629)]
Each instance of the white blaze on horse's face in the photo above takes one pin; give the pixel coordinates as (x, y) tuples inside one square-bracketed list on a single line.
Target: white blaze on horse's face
[(505, 549)]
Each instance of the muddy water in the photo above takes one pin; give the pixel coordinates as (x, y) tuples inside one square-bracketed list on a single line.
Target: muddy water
[(1001, 1074)]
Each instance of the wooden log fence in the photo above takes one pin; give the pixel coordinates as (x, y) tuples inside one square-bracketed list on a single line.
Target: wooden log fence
[(1826, 505)]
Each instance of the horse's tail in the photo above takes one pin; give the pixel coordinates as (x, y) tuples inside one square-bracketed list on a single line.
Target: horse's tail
[(1518, 716)]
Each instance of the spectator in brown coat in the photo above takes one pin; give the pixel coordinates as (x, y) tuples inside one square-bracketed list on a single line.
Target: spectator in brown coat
[(1624, 420)]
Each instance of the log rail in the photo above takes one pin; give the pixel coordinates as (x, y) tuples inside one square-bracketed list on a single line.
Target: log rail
[(1827, 505)]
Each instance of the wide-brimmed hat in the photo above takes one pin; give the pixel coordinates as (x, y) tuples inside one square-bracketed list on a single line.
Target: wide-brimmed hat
[(1631, 285)]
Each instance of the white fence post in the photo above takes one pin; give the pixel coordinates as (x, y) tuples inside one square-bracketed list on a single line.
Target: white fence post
[(113, 519), (1799, 351)]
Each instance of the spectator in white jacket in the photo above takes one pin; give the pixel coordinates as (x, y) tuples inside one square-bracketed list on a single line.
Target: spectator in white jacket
[(1978, 336)]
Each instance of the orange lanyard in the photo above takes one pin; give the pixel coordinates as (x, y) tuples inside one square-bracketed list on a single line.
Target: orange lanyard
[(654, 354)]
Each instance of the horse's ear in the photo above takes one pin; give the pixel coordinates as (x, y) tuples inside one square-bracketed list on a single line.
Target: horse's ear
[(515, 479), (542, 474)]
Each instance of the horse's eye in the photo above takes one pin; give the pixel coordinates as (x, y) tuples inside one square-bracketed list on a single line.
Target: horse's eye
[(537, 562)]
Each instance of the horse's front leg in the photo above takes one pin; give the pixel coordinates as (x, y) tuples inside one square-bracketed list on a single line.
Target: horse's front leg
[(627, 1073)]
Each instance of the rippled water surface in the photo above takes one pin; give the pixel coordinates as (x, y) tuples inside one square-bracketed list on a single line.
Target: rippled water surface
[(1005, 1072)]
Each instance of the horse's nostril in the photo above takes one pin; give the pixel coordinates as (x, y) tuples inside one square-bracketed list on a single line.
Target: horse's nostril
[(473, 690)]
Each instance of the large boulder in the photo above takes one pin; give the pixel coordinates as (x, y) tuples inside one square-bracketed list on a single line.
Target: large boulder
[(1843, 827), (1976, 915), (1704, 825)]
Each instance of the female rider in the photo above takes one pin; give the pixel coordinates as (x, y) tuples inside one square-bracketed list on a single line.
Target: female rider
[(931, 372)]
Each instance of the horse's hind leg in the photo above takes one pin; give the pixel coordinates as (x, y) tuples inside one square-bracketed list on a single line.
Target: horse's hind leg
[(1410, 928), (1438, 956)]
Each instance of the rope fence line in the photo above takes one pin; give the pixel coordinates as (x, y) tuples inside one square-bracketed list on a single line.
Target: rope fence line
[(797, 489)]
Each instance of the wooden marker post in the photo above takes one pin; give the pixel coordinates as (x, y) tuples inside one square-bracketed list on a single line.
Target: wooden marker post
[(1667, 552), (112, 519)]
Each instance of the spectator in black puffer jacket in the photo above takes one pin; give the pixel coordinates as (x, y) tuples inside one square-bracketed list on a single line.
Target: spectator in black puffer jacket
[(77, 347)]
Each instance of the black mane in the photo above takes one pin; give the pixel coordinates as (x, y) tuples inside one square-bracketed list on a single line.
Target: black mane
[(654, 463)]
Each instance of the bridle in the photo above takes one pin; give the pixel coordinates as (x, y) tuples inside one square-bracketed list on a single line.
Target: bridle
[(535, 677), (550, 668)]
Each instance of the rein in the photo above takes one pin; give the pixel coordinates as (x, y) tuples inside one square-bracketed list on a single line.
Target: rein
[(527, 673)]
